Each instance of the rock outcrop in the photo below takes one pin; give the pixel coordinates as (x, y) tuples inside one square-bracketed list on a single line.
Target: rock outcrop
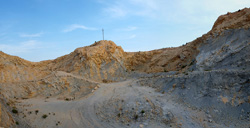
[(99, 61), (236, 20)]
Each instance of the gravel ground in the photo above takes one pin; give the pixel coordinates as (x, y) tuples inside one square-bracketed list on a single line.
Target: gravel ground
[(121, 104)]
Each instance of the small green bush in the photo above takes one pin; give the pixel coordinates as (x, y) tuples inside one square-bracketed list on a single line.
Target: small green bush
[(142, 111), (44, 116), (119, 115), (183, 66), (14, 111), (36, 112), (17, 123)]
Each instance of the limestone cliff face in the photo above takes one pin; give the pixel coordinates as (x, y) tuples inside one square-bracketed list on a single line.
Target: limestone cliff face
[(163, 60), (236, 20), (102, 60), (226, 46), (15, 69), (227, 50)]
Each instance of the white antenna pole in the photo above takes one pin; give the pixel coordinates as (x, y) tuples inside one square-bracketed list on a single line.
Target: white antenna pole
[(103, 34)]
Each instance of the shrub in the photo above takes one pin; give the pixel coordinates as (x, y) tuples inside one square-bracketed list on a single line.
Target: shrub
[(136, 116), (119, 115), (105, 81), (142, 111), (44, 116), (17, 123), (183, 66), (36, 112), (14, 111)]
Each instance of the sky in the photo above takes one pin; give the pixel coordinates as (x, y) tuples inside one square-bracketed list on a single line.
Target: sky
[(39, 30)]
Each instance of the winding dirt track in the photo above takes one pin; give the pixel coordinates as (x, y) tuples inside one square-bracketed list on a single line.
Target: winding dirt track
[(96, 110)]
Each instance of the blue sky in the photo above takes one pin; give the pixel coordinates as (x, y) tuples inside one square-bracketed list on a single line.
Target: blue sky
[(46, 29)]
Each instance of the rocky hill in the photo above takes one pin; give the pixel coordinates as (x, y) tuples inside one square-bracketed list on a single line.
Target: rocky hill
[(204, 83)]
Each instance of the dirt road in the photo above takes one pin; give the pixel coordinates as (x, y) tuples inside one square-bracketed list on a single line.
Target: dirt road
[(121, 104)]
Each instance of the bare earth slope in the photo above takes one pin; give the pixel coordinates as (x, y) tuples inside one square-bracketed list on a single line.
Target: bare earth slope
[(204, 83), (121, 104)]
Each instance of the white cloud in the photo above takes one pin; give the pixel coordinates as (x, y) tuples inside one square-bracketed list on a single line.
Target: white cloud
[(213, 6), (130, 28), (123, 8), (132, 36), (116, 11), (77, 26), (195, 11), (127, 37), (32, 35), (22, 47)]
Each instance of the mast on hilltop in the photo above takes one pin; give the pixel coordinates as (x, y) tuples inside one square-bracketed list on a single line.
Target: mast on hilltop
[(103, 34)]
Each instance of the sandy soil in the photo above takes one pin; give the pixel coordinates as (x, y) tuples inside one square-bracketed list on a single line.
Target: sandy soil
[(99, 109)]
